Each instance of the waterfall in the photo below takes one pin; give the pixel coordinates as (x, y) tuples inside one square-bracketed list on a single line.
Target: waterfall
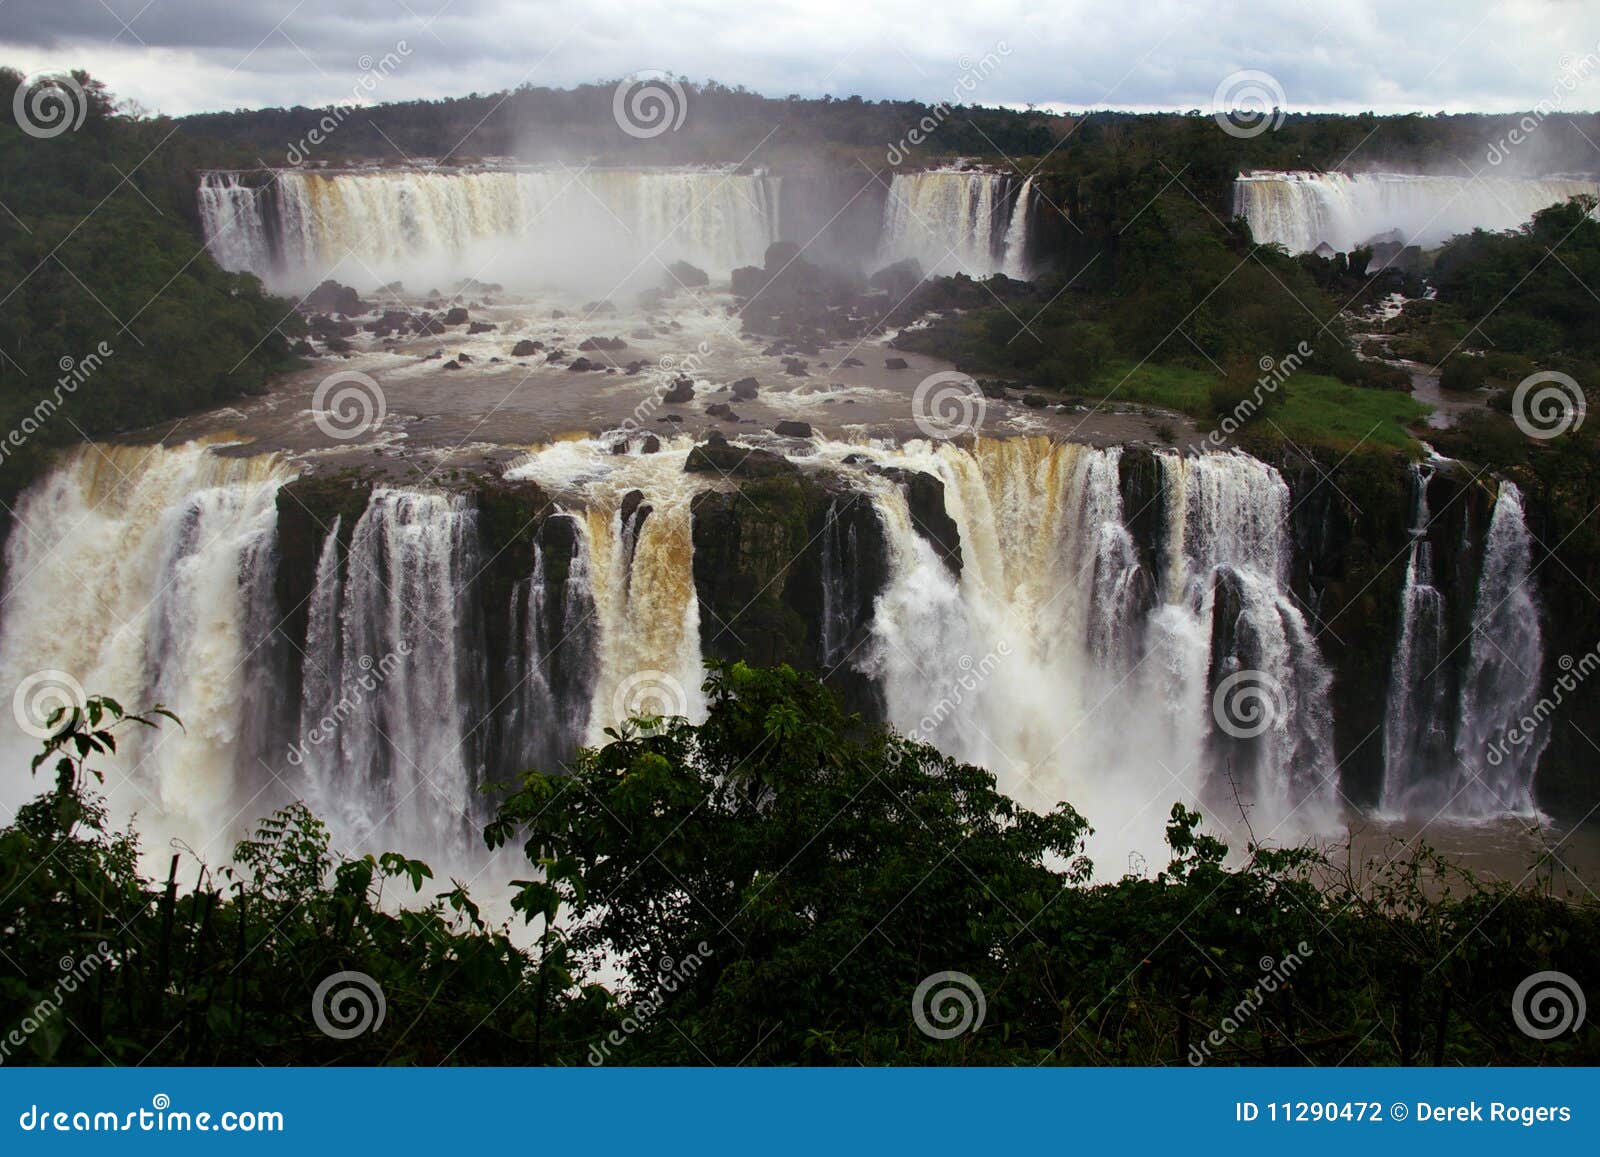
[(1466, 753), (1076, 658), (552, 676), (590, 227), (233, 220), (145, 573), (841, 583), (1054, 660), (1016, 242), (951, 221), (391, 739), (1502, 681), (1417, 724), (639, 545), (1302, 210)]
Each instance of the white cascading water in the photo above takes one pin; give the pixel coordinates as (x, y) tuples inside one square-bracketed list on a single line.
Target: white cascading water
[(1417, 724), (1058, 663), (233, 223), (1502, 680), (552, 675), (1016, 242), (402, 756), (640, 574), (1458, 760), (145, 574), (1302, 210), (953, 221), (522, 227)]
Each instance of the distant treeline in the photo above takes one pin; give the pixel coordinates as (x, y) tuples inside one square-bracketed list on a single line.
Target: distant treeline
[(720, 124)]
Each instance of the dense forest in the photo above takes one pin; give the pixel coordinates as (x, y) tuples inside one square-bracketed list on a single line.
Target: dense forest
[(779, 882), (114, 315)]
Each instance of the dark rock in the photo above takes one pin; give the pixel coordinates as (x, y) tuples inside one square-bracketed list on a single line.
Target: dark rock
[(895, 364), (526, 348), (682, 391), (898, 279), (716, 456), (331, 297), (452, 364), (456, 316), (789, 429), (744, 389), (722, 410), (681, 273), (925, 498), (583, 365), (650, 445), (480, 327)]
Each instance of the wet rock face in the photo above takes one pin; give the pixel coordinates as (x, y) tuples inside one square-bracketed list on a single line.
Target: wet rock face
[(787, 570)]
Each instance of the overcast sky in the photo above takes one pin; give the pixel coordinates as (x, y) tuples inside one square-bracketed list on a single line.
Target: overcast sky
[(180, 56)]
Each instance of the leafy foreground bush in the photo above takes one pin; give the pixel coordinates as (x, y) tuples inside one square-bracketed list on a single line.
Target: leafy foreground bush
[(775, 883)]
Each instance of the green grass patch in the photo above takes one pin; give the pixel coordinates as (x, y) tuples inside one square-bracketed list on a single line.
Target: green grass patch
[(1309, 409)]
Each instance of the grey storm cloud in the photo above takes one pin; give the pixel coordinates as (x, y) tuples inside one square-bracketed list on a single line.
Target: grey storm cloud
[(182, 56)]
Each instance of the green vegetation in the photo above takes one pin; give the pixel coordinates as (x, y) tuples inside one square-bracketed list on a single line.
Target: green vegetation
[(777, 882), (1308, 409), (113, 314)]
